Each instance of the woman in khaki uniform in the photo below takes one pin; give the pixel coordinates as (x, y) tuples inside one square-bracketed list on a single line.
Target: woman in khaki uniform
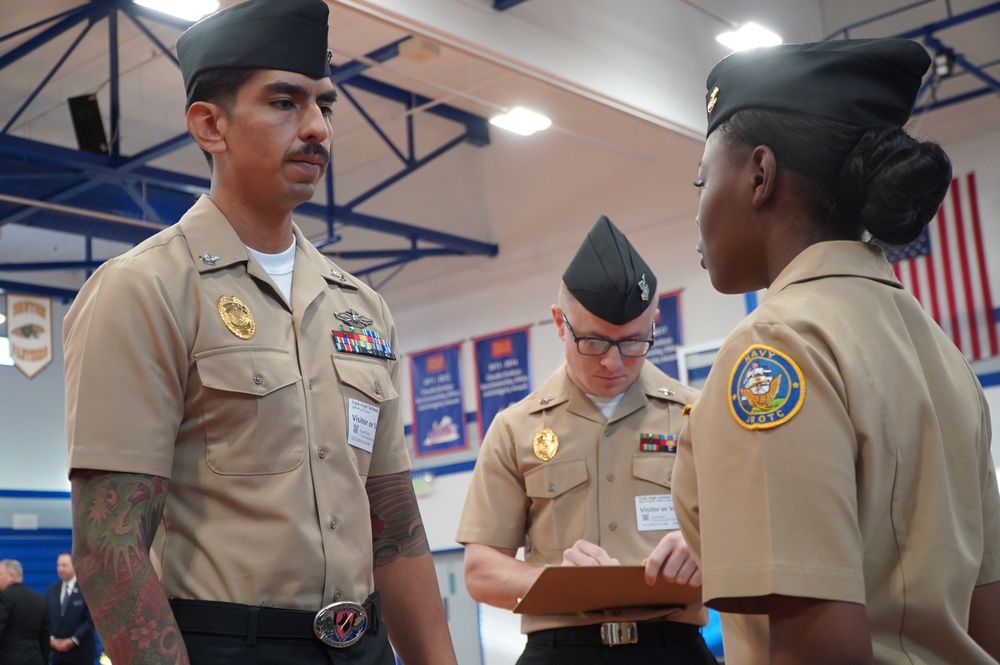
[(835, 477)]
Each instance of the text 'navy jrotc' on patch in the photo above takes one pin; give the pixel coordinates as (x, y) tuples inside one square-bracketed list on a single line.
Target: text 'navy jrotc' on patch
[(766, 388)]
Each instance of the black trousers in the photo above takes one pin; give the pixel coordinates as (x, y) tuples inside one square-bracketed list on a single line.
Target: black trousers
[(208, 633), (660, 643)]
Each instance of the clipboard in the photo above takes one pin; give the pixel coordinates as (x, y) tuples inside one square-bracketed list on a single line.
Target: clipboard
[(572, 589)]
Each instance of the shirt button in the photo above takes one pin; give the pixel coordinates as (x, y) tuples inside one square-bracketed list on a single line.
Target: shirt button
[(258, 378), (607, 432), (322, 453), (378, 388), (310, 384), (333, 522), (611, 477), (552, 488), (336, 594), (613, 526)]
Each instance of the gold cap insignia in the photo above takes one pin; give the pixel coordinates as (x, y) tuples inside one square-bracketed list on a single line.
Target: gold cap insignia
[(546, 444), (236, 316), (713, 99)]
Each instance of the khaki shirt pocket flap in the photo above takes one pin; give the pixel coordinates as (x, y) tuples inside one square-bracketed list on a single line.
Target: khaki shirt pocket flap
[(370, 378), (656, 468), (247, 370), (553, 479)]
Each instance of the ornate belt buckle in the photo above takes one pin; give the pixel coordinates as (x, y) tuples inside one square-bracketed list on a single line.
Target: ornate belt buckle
[(340, 624), (625, 632)]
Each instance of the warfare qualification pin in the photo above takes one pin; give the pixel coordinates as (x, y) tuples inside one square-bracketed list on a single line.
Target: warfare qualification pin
[(712, 100), (236, 316), (546, 444)]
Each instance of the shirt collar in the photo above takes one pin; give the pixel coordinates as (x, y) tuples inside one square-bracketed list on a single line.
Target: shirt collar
[(836, 258)]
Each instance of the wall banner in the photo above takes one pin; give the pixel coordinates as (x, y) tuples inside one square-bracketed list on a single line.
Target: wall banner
[(668, 333), (438, 414), (29, 329), (502, 372)]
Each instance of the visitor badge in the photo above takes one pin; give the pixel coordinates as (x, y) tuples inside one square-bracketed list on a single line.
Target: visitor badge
[(362, 418), (655, 512)]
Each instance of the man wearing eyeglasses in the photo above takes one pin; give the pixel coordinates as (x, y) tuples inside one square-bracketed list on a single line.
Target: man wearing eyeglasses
[(570, 472)]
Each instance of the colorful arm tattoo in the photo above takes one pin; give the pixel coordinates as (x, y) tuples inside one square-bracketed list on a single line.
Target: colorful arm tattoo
[(114, 518), (397, 530)]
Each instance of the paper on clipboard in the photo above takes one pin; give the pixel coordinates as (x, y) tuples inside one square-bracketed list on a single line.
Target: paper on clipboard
[(570, 589)]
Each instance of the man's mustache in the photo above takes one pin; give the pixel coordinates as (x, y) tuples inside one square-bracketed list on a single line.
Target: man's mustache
[(311, 149)]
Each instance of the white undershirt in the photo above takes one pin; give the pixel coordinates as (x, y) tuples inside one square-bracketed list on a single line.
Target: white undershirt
[(606, 404), (279, 267)]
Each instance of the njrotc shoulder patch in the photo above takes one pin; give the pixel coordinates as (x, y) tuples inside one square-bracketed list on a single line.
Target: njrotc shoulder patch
[(766, 388), (365, 342)]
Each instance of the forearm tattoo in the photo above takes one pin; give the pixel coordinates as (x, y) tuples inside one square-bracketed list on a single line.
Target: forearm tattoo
[(397, 530), (114, 518)]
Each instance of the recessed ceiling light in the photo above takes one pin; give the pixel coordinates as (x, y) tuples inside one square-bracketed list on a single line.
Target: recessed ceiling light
[(189, 10), (521, 121), (749, 35)]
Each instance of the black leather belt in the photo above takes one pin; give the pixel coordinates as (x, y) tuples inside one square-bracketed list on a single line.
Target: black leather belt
[(337, 625), (614, 634)]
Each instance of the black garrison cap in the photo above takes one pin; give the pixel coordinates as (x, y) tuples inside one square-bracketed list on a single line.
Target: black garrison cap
[(861, 82), (260, 34), (608, 277)]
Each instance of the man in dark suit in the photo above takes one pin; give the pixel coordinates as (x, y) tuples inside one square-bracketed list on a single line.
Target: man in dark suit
[(73, 641), (24, 619)]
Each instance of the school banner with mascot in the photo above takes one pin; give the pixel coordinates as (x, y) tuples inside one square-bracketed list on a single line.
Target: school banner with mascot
[(29, 329)]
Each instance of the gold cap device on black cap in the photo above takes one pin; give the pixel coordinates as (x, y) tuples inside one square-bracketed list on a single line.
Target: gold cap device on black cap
[(861, 82), (290, 35), (608, 277)]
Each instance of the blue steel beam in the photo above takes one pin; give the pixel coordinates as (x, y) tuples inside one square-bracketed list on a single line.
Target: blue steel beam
[(412, 165), (478, 128), (960, 59), (45, 79), (115, 140), (50, 265), (131, 172), (952, 21), (38, 290), (503, 5), (369, 254), (72, 18), (130, 12)]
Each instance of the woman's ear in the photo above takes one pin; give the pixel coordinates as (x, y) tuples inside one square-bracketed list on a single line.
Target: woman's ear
[(207, 123), (765, 175)]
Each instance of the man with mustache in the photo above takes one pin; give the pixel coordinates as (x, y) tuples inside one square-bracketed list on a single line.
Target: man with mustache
[(241, 488)]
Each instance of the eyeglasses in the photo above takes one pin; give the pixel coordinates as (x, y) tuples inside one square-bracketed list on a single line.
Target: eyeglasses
[(598, 346)]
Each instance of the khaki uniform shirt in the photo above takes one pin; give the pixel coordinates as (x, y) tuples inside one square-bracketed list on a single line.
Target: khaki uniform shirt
[(587, 490), (267, 502), (868, 478)]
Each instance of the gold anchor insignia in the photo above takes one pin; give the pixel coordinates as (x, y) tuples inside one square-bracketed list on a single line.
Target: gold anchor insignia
[(237, 317), (713, 99), (546, 444)]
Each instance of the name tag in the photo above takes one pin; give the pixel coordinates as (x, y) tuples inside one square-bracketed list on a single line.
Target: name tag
[(655, 512), (362, 418)]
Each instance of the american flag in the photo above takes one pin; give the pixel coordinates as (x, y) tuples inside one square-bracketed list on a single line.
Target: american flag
[(945, 269)]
